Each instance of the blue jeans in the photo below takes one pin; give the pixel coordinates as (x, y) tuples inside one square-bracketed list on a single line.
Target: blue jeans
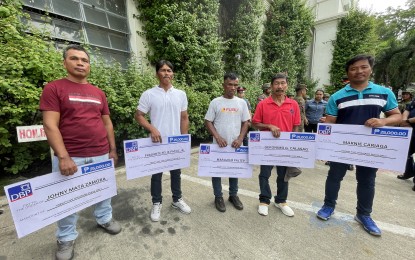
[(175, 185), (103, 211), (365, 191), (217, 186), (282, 186)]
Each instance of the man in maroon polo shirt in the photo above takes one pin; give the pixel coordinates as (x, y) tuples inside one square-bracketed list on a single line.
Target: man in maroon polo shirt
[(77, 123)]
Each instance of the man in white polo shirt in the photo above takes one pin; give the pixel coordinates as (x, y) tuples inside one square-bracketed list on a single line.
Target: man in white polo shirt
[(167, 107)]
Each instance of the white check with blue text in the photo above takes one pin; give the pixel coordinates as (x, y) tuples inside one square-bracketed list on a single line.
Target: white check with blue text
[(38, 202), (143, 157), (379, 147), (226, 161), (290, 149)]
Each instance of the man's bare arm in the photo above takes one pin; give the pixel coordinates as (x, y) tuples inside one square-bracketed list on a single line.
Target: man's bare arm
[(184, 122), (51, 126), (154, 132), (111, 138)]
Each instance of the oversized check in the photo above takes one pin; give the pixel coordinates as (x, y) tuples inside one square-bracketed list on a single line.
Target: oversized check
[(38, 202), (215, 161), (290, 149), (143, 157), (379, 147)]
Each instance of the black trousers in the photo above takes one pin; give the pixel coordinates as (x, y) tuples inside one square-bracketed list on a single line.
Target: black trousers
[(409, 168), (310, 128)]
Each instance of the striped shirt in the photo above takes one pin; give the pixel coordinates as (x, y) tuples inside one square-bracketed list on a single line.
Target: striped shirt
[(354, 107)]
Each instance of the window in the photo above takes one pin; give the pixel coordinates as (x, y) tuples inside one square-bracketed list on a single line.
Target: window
[(97, 37), (110, 56), (119, 24), (40, 23), (95, 16), (115, 6), (95, 3), (40, 4), (68, 31), (100, 23), (118, 42), (66, 8)]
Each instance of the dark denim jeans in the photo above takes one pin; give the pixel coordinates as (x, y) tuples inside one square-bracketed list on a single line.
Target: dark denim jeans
[(365, 191), (282, 186), (175, 185), (217, 186)]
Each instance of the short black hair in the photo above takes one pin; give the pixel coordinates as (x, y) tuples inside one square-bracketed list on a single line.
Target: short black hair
[(360, 57), (300, 87), (279, 76), (230, 75), (161, 63), (319, 90), (74, 47)]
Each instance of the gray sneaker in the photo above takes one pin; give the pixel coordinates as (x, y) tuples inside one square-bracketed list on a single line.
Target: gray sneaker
[(112, 227), (65, 250)]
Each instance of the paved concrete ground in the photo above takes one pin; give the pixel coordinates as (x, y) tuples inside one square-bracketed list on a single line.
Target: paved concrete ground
[(209, 234)]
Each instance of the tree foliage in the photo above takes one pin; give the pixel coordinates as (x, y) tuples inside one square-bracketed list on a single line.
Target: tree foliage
[(356, 34), (286, 36), (27, 61), (185, 33), (395, 63), (123, 88), (243, 47)]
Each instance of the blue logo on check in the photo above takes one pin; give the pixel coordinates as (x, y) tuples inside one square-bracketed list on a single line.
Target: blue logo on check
[(296, 136), (131, 147), (254, 137), (20, 192), (390, 132), (241, 150), (324, 129), (204, 149), (96, 167), (179, 139)]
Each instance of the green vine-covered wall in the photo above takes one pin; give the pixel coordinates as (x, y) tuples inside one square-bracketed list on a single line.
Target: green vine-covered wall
[(286, 36), (355, 35), (185, 33), (244, 38)]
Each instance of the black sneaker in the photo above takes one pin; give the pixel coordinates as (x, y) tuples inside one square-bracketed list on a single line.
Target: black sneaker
[(404, 176), (65, 250), (220, 204), (236, 202), (112, 227)]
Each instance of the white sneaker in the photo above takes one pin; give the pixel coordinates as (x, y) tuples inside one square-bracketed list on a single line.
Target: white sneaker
[(285, 209), (182, 206), (263, 209), (155, 212)]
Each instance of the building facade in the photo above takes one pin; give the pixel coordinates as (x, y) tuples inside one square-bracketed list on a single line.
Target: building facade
[(111, 26), (327, 16)]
